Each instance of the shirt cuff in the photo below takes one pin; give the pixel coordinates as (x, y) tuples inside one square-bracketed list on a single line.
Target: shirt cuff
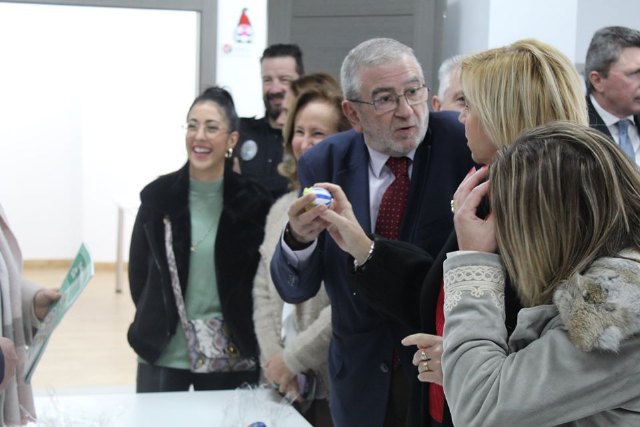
[(297, 259)]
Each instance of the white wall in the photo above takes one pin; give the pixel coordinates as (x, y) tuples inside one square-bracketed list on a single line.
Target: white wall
[(593, 15), (93, 100), (550, 21), (466, 27), (473, 25)]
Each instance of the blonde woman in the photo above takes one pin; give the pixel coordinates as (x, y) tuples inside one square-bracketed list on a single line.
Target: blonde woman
[(566, 223)]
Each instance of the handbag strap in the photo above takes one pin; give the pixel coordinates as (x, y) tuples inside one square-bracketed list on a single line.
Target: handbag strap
[(173, 272)]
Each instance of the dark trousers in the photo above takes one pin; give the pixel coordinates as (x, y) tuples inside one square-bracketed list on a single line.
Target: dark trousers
[(319, 414), (153, 378), (397, 404)]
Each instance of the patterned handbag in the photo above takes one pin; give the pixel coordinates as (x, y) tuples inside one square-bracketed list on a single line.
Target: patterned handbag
[(208, 340)]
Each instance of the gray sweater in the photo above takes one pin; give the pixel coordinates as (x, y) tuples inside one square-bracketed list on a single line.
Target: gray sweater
[(575, 362)]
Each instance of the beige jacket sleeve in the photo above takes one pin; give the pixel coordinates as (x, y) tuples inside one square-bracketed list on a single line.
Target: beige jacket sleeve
[(267, 304)]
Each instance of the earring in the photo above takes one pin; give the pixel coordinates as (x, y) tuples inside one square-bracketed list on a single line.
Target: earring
[(229, 153)]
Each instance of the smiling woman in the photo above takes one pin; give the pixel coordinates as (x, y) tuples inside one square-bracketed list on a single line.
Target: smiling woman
[(193, 256), (211, 134)]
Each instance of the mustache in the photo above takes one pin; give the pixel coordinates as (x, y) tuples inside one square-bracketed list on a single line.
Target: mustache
[(274, 96)]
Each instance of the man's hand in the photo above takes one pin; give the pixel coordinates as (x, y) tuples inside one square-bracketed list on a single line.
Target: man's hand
[(305, 225), (343, 225)]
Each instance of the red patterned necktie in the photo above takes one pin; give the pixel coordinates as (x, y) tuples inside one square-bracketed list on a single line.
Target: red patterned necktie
[(394, 199)]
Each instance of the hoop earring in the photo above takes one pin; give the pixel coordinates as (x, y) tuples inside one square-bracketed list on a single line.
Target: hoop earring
[(229, 153)]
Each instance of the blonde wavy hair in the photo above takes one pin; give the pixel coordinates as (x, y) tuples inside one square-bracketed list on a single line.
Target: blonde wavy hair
[(562, 195), (520, 86)]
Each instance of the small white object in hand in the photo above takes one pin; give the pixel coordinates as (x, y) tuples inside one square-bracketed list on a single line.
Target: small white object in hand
[(323, 197)]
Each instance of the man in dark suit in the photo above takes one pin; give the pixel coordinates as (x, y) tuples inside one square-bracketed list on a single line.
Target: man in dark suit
[(612, 71), (386, 102)]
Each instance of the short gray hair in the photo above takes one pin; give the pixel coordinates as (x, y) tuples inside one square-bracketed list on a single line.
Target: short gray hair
[(605, 47), (445, 71), (368, 53)]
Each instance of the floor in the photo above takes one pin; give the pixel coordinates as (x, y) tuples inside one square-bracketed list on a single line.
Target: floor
[(88, 350)]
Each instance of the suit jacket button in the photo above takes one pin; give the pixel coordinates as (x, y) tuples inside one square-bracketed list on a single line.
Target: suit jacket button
[(384, 368)]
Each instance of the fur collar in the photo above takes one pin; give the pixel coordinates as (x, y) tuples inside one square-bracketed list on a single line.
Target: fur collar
[(601, 307), (242, 197)]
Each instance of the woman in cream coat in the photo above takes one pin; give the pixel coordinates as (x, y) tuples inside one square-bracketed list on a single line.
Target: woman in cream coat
[(295, 361)]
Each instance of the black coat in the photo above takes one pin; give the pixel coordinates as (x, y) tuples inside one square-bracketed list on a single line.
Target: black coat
[(240, 233), (402, 282), (259, 152)]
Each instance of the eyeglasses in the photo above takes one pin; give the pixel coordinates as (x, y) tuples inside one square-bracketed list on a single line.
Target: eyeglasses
[(385, 102), (210, 130)]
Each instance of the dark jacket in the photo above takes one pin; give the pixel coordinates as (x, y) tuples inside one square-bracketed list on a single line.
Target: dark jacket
[(596, 122), (412, 300), (363, 342), (259, 152), (240, 233)]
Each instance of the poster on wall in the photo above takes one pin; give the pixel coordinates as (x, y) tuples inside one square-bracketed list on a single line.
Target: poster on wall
[(242, 35)]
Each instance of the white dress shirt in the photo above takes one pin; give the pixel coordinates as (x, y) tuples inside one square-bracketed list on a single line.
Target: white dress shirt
[(611, 122)]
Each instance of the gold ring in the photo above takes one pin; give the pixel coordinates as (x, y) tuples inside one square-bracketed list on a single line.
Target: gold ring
[(425, 366), (453, 206), (423, 356)]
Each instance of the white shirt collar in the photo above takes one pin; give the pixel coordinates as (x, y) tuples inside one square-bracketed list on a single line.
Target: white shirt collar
[(377, 160), (608, 118)]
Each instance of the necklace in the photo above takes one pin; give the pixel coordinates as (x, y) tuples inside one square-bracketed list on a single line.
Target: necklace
[(195, 245)]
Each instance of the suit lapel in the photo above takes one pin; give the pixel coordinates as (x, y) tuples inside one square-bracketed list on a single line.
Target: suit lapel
[(595, 121), (353, 177), (418, 178)]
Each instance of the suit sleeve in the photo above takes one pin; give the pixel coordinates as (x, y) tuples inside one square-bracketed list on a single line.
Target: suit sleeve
[(391, 281), (297, 285)]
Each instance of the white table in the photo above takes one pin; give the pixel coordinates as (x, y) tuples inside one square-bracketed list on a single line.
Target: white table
[(236, 408)]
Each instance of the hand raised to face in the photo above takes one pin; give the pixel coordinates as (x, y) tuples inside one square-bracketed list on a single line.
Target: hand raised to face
[(473, 233)]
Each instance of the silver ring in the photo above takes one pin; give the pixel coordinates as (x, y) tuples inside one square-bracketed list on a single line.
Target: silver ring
[(453, 206), (425, 366), (423, 356)]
